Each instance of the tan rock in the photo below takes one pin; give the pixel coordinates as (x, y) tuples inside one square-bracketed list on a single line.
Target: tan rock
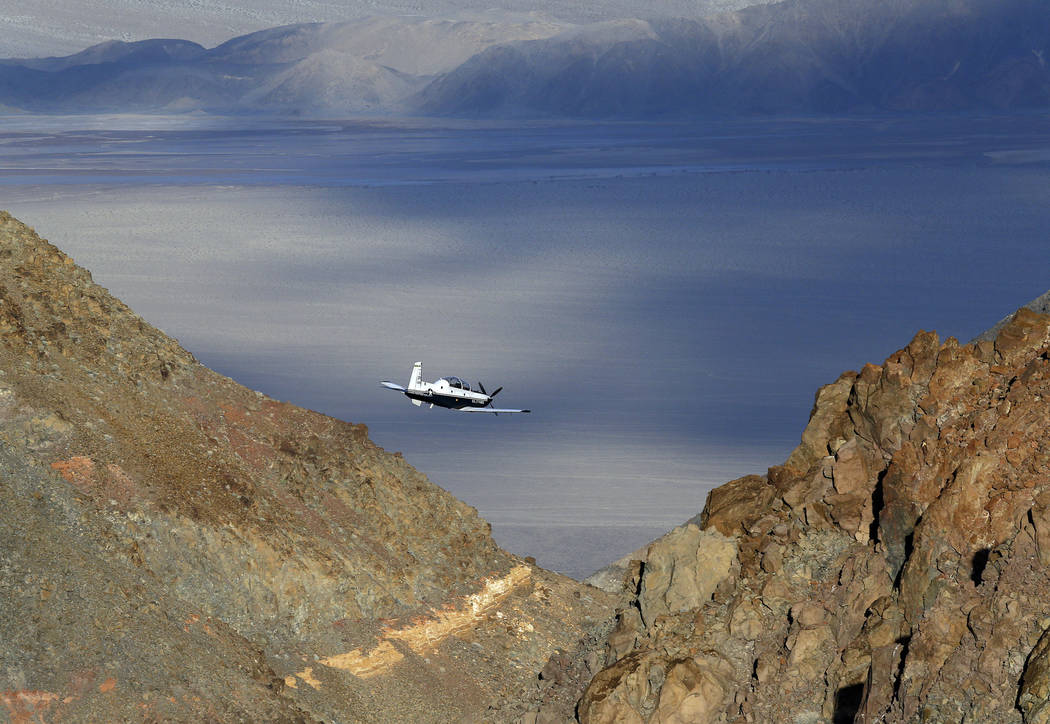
[(693, 693), (813, 487), (766, 667), (828, 420), (776, 591), (1040, 514), (880, 684), (747, 621), (772, 557), (818, 516), (619, 693), (1023, 333), (853, 513), (808, 614), (683, 569), (811, 649), (625, 635), (850, 472), (1034, 697)]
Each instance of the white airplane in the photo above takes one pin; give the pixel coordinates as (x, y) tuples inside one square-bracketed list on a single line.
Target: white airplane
[(450, 392)]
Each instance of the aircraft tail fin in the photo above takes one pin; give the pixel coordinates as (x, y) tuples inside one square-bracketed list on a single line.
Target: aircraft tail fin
[(416, 380)]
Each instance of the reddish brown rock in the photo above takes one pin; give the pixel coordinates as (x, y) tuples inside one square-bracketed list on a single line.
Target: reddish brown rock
[(733, 507), (894, 569)]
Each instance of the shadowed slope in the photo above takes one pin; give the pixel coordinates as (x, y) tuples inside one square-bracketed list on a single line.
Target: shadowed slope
[(212, 551)]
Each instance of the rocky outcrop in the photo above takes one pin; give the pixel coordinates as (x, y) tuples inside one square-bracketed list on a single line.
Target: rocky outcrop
[(893, 569), (174, 546), (1040, 304)]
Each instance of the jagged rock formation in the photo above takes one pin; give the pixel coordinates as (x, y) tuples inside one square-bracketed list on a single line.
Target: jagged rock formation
[(893, 569), (174, 546)]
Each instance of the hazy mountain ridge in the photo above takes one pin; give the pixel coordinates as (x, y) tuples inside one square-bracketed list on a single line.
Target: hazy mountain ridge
[(54, 27), (410, 45), (113, 51), (799, 56), (812, 56), (371, 64)]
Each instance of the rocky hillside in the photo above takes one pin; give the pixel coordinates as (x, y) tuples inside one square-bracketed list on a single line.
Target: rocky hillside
[(174, 546), (894, 569)]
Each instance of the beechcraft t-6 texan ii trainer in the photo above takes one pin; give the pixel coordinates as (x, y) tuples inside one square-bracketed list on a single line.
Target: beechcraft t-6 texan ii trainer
[(450, 392)]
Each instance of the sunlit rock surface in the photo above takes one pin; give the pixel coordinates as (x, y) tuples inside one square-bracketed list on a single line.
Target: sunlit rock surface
[(174, 546), (894, 569)]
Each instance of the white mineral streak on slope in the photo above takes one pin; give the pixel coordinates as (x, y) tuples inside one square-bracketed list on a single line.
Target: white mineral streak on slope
[(425, 633)]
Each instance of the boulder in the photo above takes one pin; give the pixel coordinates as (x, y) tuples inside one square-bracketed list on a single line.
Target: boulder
[(683, 569)]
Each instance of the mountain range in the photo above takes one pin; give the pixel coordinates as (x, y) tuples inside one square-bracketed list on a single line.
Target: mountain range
[(54, 27), (798, 56)]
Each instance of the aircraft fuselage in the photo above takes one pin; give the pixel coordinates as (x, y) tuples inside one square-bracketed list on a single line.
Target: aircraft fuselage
[(443, 395), (449, 392)]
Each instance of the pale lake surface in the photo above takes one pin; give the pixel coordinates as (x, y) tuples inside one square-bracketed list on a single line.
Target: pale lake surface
[(665, 297)]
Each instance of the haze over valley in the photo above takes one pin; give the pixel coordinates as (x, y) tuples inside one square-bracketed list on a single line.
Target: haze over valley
[(665, 297)]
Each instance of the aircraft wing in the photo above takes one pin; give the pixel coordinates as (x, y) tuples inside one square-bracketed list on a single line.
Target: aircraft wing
[(493, 410), (392, 386)]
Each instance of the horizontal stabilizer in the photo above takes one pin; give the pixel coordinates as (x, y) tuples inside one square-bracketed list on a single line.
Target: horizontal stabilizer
[(392, 386)]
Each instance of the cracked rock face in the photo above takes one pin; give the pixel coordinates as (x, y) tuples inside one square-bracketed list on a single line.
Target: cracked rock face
[(174, 546), (893, 569)]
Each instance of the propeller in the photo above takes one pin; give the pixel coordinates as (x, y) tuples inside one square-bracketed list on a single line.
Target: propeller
[(494, 392)]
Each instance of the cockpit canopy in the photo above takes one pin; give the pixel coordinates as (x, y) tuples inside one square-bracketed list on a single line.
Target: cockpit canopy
[(456, 383)]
